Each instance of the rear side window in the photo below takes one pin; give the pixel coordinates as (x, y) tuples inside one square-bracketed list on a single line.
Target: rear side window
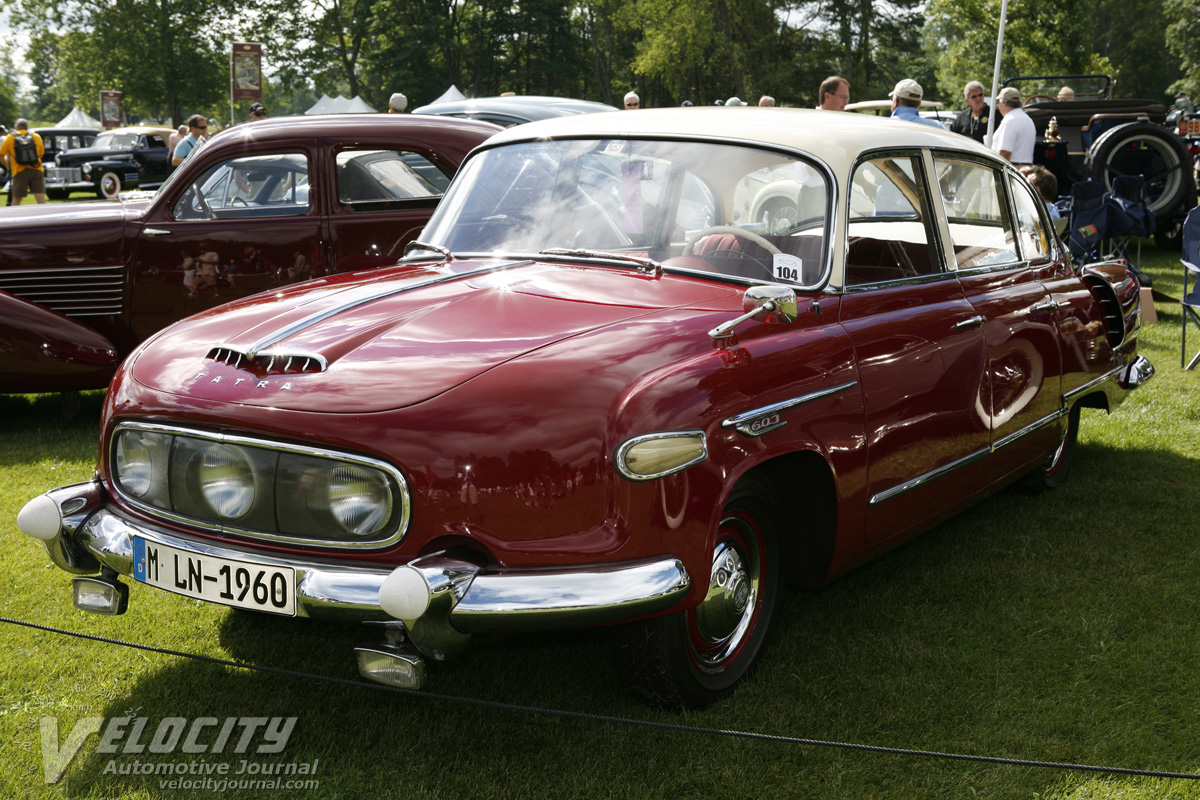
[(980, 229), (381, 180), (1032, 233)]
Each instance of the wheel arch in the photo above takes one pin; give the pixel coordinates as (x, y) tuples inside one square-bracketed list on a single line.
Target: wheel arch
[(807, 528)]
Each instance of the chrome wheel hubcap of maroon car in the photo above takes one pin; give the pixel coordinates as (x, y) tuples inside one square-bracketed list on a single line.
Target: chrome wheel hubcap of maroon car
[(724, 620)]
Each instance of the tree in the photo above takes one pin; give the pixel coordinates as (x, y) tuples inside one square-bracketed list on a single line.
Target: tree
[(1039, 39), (165, 56)]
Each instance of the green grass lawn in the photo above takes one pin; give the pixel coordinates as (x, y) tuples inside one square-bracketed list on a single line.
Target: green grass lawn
[(1062, 627)]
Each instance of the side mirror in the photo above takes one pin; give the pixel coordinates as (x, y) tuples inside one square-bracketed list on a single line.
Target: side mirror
[(771, 303)]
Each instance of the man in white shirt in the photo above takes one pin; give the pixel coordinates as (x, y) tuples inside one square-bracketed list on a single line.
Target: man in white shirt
[(1016, 135)]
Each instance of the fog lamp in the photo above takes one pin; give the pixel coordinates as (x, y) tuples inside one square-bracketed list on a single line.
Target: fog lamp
[(391, 665), (100, 595), (657, 455)]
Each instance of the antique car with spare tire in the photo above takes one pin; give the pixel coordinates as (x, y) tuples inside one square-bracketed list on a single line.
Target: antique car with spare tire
[(610, 386), (1101, 137), (254, 208)]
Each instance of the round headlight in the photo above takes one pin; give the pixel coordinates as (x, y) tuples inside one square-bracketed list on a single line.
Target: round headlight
[(359, 498), (226, 481), (134, 463)]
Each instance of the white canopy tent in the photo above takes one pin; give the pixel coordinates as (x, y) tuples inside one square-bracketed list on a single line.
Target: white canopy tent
[(340, 105), (78, 119), (451, 95)]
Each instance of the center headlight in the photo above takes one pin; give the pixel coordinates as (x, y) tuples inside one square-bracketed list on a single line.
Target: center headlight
[(359, 499), (226, 481)]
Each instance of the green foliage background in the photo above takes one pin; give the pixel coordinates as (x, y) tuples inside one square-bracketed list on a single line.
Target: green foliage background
[(170, 57)]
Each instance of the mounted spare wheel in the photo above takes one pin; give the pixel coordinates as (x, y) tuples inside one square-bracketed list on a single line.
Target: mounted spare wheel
[(1149, 150)]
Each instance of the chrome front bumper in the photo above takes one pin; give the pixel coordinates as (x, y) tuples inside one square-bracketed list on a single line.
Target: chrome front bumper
[(82, 535)]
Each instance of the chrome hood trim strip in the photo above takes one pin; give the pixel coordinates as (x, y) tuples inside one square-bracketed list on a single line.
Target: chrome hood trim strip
[(391, 291)]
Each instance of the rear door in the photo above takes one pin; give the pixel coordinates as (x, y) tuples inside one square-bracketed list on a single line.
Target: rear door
[(380, 197), (1013, 309)]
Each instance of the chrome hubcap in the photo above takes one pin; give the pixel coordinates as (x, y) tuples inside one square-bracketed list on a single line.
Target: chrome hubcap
[(723, 618)]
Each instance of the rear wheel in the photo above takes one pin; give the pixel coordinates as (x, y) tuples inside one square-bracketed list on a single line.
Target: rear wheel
[(693, 658), (1053, 471)]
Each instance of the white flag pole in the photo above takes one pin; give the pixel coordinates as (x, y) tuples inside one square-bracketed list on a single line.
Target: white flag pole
[(996, 74)]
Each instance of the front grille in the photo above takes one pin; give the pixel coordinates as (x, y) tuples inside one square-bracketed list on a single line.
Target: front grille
[(74, 291), (62, 176)]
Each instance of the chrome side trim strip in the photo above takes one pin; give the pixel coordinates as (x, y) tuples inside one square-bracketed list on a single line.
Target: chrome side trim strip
[(1071, 396), (1130, 376), (921, 480), (390, 291), (758, 421), (1041, 423)]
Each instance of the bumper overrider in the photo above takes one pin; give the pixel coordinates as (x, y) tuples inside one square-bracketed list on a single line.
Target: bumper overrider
[(433, 604)]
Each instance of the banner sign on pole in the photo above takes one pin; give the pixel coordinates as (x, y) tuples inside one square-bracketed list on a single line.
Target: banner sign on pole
[(110, 109), (247, 71)]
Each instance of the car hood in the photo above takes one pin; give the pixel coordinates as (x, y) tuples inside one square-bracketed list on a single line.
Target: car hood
[(65, 234), (384, 340), (82, 155)]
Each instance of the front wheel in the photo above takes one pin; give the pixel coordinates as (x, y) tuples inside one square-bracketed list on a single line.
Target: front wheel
[(109, 186), (692, 658)]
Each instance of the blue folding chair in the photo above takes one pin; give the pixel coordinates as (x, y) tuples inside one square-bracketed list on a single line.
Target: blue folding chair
[(1089, 220), (1191, 270), (1129, 220)]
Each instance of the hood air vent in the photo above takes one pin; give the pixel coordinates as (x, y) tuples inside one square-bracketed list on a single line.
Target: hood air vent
[(269, 362)]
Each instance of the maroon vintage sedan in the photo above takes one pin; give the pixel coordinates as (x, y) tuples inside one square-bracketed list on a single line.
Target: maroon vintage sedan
[(640, 369), (254, 208)]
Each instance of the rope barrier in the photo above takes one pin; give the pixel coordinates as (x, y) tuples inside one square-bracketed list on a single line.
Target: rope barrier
[(626, 721)]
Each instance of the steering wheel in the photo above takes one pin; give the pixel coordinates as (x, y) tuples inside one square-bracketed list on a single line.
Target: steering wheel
[(238, 199), (1033, 97), (688, 249)]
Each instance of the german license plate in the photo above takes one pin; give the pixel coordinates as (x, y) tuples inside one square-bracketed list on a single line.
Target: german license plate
[(218, 580)]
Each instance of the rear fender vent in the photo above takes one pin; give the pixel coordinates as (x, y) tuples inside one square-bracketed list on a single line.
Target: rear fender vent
[(269, 362), (1110, 307)]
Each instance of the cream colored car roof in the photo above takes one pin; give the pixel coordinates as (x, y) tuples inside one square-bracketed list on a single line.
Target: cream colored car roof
[(834, 137)]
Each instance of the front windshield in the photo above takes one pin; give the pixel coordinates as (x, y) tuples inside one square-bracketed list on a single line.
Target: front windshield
[(736, 211), (115, 141)]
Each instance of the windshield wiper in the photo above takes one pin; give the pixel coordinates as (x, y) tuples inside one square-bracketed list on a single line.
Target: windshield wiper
[(433, 248), (647, 265)]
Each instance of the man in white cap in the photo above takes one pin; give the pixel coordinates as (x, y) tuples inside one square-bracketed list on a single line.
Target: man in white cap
[(397, 103), (906, 99), (1015, 137)]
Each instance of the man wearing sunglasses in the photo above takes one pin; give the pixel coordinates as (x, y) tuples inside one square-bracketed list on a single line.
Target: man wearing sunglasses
[(197, 130), (973, 121)]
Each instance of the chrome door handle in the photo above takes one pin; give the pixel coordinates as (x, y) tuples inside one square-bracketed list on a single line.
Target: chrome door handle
[(1047, 306), (973, 322), (155, 232)]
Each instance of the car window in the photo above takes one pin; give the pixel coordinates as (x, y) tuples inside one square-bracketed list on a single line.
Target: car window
[(153, 140), (1033, 232), (115, 141), (889, 227), (736, 211), (980, 229), (274, 185), (377, 180)]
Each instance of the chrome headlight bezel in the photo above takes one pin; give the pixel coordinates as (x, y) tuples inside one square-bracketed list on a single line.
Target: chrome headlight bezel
[(269, 462)]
